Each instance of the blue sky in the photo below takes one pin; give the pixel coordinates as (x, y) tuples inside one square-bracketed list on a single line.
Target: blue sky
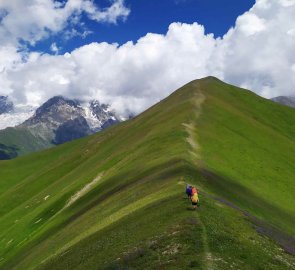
[(154, 16)]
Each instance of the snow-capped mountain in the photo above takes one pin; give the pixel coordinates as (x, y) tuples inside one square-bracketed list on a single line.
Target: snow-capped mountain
[(55, 112), (57, 121), (61, 119), (99, 116), (58, 114), (51, 115)]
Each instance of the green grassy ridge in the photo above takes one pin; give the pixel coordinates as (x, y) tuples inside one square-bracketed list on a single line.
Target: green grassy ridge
[(139, 197)]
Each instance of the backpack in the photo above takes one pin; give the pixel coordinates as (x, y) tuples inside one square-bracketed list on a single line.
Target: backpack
[(194, 190), (188, 191), (195, 198)]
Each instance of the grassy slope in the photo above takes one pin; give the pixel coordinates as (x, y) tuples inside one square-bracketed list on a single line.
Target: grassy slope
[(22, 140), (249, 142), (135, 215)]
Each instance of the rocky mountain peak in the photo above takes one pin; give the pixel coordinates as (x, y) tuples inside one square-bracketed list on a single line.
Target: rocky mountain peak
[(61, 119), (56, 101), (55, 112), (102, 115)]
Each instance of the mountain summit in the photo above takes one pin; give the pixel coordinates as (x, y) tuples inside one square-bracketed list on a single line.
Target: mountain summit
[(115, 199), (54, 113)]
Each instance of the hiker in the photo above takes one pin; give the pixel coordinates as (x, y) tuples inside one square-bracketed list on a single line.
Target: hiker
[(188, 191), (195, 199), (192, 193)]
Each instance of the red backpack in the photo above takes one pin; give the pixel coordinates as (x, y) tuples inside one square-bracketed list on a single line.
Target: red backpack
[(194, 190)]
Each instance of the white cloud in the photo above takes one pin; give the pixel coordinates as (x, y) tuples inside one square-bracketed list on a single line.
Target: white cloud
[(263, 60), (287, 3), (110, 14), (9, 58), (132, 76), (54, 48), (33, 20), (258, 53), (250, 24)]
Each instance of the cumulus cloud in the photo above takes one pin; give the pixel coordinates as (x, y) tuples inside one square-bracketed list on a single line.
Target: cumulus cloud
[(54, 48), (110, 14), (33, 20), (257, 53), (131, 76)]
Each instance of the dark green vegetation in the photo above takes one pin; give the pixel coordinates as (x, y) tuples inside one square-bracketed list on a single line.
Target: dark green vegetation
[(7, 152), (115, 200)]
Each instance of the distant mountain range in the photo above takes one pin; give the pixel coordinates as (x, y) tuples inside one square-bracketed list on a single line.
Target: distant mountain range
[(57, 121), (285, 100)]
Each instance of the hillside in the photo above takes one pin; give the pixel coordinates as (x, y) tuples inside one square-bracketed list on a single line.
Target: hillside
[(22, 141), (115, 200)]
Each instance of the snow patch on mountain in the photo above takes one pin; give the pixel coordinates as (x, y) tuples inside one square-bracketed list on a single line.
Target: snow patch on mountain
[(93, 122), (97, 115)]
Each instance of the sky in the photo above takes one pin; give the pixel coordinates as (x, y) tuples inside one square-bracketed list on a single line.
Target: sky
[(151, 16), (133, 53)]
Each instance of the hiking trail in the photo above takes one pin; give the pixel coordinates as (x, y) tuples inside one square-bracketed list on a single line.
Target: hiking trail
[(208, 258), (191, 129)]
